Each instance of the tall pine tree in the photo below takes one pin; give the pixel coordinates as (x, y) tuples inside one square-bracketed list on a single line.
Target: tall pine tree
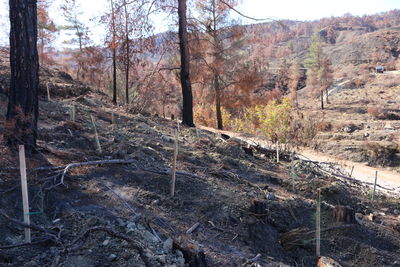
[(22, 112), (185, 74), (319, 76)]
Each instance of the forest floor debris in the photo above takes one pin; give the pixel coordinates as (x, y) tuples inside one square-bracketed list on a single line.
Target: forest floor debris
[(94, 215)]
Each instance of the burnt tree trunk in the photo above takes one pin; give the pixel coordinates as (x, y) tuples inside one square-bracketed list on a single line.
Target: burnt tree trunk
[(114, 76), (218, 103), (22, 112), (327, 96), (127, 41), (127, 78), (344, 214), (322, 99), (187, 111), (114, 54), (217, 60)]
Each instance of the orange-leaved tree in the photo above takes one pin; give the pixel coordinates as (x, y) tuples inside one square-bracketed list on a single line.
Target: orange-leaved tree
[(47, 30)]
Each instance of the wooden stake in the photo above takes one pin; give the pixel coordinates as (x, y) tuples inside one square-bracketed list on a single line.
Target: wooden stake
[(318, 225), (351, 173), (277, 151), (96, 135), (376, 179), (48, 92), (177, 123), (174, 164), (292, 172), (112, 121), (24, 186), (73, 112)]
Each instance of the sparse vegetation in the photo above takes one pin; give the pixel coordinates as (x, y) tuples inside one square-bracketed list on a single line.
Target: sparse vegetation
[(324, 126), (381, 114), (378, 154), (120, 124)]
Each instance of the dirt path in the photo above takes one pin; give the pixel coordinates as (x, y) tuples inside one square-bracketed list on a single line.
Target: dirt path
[(338, 87), (387, 180)]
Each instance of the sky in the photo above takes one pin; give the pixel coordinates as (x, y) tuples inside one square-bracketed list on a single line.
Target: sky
[(278, 9), (314, 9)]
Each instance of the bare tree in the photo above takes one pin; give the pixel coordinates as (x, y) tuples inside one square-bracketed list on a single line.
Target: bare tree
[(22, 112), (187, 112), (114, 52)]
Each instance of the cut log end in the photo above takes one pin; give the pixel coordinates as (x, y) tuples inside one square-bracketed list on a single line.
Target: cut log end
[(193, 256), (344, 214), (258, 206), (327, 262)]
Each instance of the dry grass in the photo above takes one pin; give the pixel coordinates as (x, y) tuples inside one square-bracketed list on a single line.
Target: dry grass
[(305, 126), (343, 126), (389, 81), (380, 114), (375, 112), (324, 126)]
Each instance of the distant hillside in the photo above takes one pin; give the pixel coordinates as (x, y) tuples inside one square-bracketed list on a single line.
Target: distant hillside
[(349, 39)]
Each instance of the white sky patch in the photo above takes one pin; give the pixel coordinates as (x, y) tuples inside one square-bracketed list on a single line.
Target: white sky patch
[(4, 23), (281, 9), (92, 10), (314, 9)]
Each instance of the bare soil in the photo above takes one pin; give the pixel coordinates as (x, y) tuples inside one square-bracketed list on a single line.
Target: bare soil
[(122, 214), (216, 186), (349, 131)]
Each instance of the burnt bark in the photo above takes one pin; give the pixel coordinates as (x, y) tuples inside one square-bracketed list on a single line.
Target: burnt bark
[(217, 60), (218, 103), (193, 256), (258, 207), (187, 111), (322, 99), (127, 56), (114, 54), (22, 112), (344, 214), (114, 75)]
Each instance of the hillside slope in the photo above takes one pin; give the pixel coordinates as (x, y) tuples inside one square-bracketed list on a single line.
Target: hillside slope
[(122, 214), (361, 123)]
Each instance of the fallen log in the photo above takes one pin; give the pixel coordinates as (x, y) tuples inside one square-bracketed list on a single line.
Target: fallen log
[(193, 228)]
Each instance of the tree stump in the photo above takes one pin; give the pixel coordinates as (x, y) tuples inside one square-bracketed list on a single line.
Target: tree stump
[(248, 150), (258, 206), (193, 257), (327, 262), (344, 214)]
